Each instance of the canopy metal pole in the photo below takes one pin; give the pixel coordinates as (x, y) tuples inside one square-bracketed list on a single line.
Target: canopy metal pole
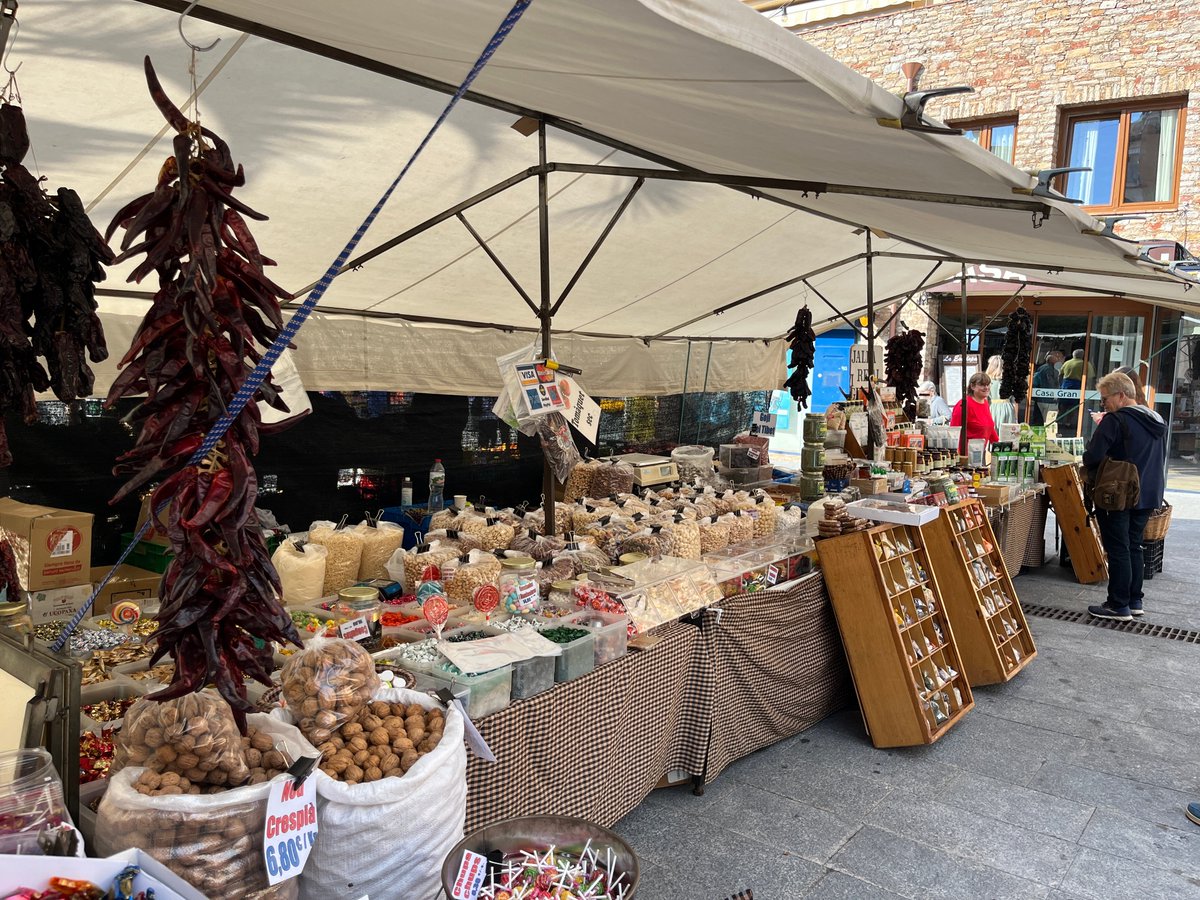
[(962, 426), (870, 336), (544, 314), (687, 367)]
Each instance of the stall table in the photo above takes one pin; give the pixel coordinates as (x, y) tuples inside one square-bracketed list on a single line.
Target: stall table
[(596, 746), (1020, 528)]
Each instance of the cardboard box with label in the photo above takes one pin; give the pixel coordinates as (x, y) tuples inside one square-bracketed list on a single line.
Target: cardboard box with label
[(52, 547), (128, 583), (56, 604)]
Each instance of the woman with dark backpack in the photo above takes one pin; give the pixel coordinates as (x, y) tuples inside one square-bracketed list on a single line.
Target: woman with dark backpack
[(1125, 459)]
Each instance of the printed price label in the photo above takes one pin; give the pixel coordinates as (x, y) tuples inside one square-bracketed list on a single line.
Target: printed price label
[(291, 828), (470, 876), (772, 574), (355, 629), (763, 424), (63, 541)]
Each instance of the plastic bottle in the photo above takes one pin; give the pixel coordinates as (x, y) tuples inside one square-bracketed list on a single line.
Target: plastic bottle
[(406, 491), (437, 485)]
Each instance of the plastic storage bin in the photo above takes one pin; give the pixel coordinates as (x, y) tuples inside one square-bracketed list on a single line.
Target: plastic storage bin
[(578, 657), (107, 690), (532, 676), (490, 691), (611, 632)]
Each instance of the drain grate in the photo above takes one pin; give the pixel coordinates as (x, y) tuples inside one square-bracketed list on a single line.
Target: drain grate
[(1137, 626)]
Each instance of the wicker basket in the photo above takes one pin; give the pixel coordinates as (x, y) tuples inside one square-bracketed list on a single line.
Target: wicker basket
[(1160, 521)]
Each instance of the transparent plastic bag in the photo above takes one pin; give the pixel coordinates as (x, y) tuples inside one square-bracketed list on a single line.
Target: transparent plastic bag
[(608, 532), (535, 519), (685, 538), (558, 569), (653, 541), (579, 482), (584, 514), (451, 538), (538, 547), (475, 570), (327, 683), (451, 519), (768, 516), (195, 736), (214, 841), (584, 556), (714, 535), (741, 527), (497, 535), (379, 542), (612, 478), (301, 571), (345, 547), (415, 561), (693, 462), (554, 433)]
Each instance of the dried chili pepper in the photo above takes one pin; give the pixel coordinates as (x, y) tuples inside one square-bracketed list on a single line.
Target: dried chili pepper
[(213, 313), (50, 259), (802, 343)]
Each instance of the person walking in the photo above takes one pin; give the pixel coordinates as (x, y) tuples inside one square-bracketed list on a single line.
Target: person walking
[(978, 410), (1136, 434), (1193, 812)]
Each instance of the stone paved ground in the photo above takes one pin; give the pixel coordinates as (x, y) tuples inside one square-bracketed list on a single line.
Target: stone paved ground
[(1069, 782)]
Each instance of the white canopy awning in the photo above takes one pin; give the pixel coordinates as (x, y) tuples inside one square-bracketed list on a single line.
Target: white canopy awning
[(704, 85)]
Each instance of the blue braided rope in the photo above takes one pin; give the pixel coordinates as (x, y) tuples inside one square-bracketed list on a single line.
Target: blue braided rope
[(246, 393)]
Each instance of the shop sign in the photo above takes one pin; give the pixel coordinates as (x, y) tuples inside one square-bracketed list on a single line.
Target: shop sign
[(763, 424), (291, 827), (582, 411)]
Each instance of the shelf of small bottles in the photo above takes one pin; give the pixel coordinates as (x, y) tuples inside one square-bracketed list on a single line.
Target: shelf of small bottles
[(997, 606), (921, 626)]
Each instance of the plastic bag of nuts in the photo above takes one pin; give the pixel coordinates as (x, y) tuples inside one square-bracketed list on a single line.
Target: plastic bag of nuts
[(194, 736), (473, 570), (535, 519), (327, 684), (345, 547), (379, 541), (584, 514), (714, 535), (452, 539), (685, 538), (418, 776), (537, 546), (497, 535), (423, 555), (612, 478), (452, 519), (214, 841), (579, 482), (741, 527), (768, 516)]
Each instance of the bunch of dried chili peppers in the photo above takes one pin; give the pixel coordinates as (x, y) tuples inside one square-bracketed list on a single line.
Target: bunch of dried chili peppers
[(50, 259), (194, 349)]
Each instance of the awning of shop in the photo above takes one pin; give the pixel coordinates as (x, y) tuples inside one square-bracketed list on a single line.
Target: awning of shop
[(630, 89)]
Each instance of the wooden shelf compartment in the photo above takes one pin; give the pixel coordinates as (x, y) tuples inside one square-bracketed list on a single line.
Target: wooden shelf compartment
[(981, 617), (890, 638)]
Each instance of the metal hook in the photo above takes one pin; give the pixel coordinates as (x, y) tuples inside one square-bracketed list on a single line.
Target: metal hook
[(8, 21), (183, 15)]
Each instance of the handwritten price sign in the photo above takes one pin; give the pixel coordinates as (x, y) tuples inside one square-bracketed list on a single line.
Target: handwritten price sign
[(291, 828)]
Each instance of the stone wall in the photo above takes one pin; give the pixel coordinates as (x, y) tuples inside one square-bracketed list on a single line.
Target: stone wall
[(1034, 58)]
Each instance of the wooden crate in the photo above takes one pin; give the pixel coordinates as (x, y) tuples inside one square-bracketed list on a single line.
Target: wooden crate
[(896, 634), (968, 564), (1082, 536)]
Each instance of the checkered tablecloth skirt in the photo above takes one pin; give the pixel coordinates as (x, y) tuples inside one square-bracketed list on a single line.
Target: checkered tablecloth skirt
[(775, 667), (593, 747)]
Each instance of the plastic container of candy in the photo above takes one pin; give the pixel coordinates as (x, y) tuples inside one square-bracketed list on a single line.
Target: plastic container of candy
[(578, 656), (96, 696), (532, 676), (490, 691), (610, 630)]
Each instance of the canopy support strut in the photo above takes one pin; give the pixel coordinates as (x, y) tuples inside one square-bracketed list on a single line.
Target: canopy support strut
[(962, 426), (911, 294), (834, 309), (637, 186), (545, 313), (871, 388), (499, 265)]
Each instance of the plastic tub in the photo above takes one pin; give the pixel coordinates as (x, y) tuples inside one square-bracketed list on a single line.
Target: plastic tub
[(106, 690), (578, 658), (611, 632), (490, 691), (532, 676)]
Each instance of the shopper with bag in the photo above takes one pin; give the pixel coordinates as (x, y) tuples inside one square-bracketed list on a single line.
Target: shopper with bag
[(1125, 459)]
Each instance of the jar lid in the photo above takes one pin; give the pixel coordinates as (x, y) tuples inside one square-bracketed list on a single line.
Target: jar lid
[(518, 562), (359, 595), (627, 558), (564, 585), (13, 608)]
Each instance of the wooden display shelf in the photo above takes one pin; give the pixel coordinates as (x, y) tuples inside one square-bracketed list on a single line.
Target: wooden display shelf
[(1081, 535), (968, 563), (897, 637)]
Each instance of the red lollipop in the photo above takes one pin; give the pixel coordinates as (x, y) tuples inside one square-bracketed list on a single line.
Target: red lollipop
[(431, 573), (487, 598), (436, 611)]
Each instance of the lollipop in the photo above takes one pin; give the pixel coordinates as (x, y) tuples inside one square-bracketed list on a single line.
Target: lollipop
[(429, 589), (431, 573), (487, 598), (125, 612), (436, 611)]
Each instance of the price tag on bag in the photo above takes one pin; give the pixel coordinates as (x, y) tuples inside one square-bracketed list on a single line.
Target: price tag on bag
[(291, 828)]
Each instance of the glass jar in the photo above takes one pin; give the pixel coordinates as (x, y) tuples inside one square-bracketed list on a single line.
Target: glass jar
[(15, 620), (359, 602), (561, 593), (519, 592), (31, 799)]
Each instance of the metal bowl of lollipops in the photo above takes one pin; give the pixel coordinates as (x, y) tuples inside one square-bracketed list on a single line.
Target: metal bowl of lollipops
[(586, 859)]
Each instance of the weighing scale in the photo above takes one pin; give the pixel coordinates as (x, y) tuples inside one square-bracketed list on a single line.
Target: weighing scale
[(648, 470)]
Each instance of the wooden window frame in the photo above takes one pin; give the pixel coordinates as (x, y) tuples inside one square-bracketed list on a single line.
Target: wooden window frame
[(984, 126), (1123, 112)]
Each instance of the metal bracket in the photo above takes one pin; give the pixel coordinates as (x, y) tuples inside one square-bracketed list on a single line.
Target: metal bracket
[(1109, 224), (913, 117), (1043, 187)]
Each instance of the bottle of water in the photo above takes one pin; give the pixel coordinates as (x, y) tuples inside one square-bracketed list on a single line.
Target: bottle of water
[(437, 485), (406, 491)]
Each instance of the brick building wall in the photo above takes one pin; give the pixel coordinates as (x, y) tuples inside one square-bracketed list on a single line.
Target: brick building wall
[(1032, 58)]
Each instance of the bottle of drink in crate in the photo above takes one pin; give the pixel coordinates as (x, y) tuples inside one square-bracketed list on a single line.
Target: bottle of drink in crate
[(437, 485), (406, 491)]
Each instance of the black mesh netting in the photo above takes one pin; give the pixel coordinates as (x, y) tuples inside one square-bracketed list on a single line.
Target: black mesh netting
[(352, 453)]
